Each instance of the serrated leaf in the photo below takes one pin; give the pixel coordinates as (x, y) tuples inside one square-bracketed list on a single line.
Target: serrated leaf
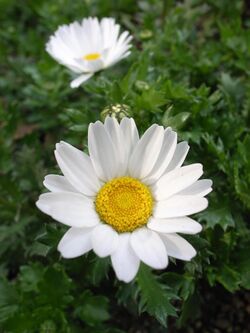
[(150, 100), (184, 285), (217, 216), (154, 297)]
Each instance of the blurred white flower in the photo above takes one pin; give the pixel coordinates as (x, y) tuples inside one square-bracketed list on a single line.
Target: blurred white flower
[(128, 198), (89, 46)]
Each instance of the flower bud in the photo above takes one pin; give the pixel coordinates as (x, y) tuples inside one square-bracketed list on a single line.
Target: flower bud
[(117, 111)]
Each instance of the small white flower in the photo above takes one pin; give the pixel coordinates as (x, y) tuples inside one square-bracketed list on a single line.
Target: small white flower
[(128, 199), (89, 46)]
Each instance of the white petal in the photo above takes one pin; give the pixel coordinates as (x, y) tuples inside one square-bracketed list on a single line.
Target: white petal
[(80, 38), (124, 260), (77, 168), (184, 225), (165, 156), (75, 242), (56, 183), (60, 48), (91, 29), (72, 209), (113, 129), (113, 56), (124, 38), (178, 247), (104, 240), (146, 152), (149, 247), (80, 79), (116, 48), (102, 152), (176, 180), (110, 32), (64, 36), (130, 134), (179, 205), (201, 188), (180, 154)]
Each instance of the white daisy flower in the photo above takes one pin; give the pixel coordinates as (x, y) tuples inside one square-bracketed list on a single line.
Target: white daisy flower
[(128, 198), (89, 46)]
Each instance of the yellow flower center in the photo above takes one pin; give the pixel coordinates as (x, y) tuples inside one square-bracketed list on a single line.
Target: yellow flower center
[(92, 56), (124, 203)]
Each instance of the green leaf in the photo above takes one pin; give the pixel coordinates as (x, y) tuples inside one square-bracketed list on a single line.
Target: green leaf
[(184, 285), (54, 287), (50, 236), (217, 216), (231, 86), (116, 94), (150, 100), (242, 171), (229, 278), (190, 309), (98, 270), (242, 265), (30, 276), (93, 309), (175, 121), (8, 300), (154, 297)]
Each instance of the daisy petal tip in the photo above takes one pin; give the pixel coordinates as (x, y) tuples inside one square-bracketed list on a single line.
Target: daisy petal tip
[(79, 80), (205, 203), (41, 205), (149, 248), (197, 228), (62, 254), (45, 180), (37, 203), (189, 256), (59, 249), (58, 146), (73, 85), (127, 280)]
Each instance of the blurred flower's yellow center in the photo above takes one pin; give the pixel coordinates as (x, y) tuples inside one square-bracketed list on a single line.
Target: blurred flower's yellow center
[(92, 56), (124, 203)]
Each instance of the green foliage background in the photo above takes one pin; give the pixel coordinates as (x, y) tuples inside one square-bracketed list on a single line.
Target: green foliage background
[(189, 69)]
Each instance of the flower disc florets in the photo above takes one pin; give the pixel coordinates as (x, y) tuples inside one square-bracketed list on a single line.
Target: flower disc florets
[(124, 203)]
